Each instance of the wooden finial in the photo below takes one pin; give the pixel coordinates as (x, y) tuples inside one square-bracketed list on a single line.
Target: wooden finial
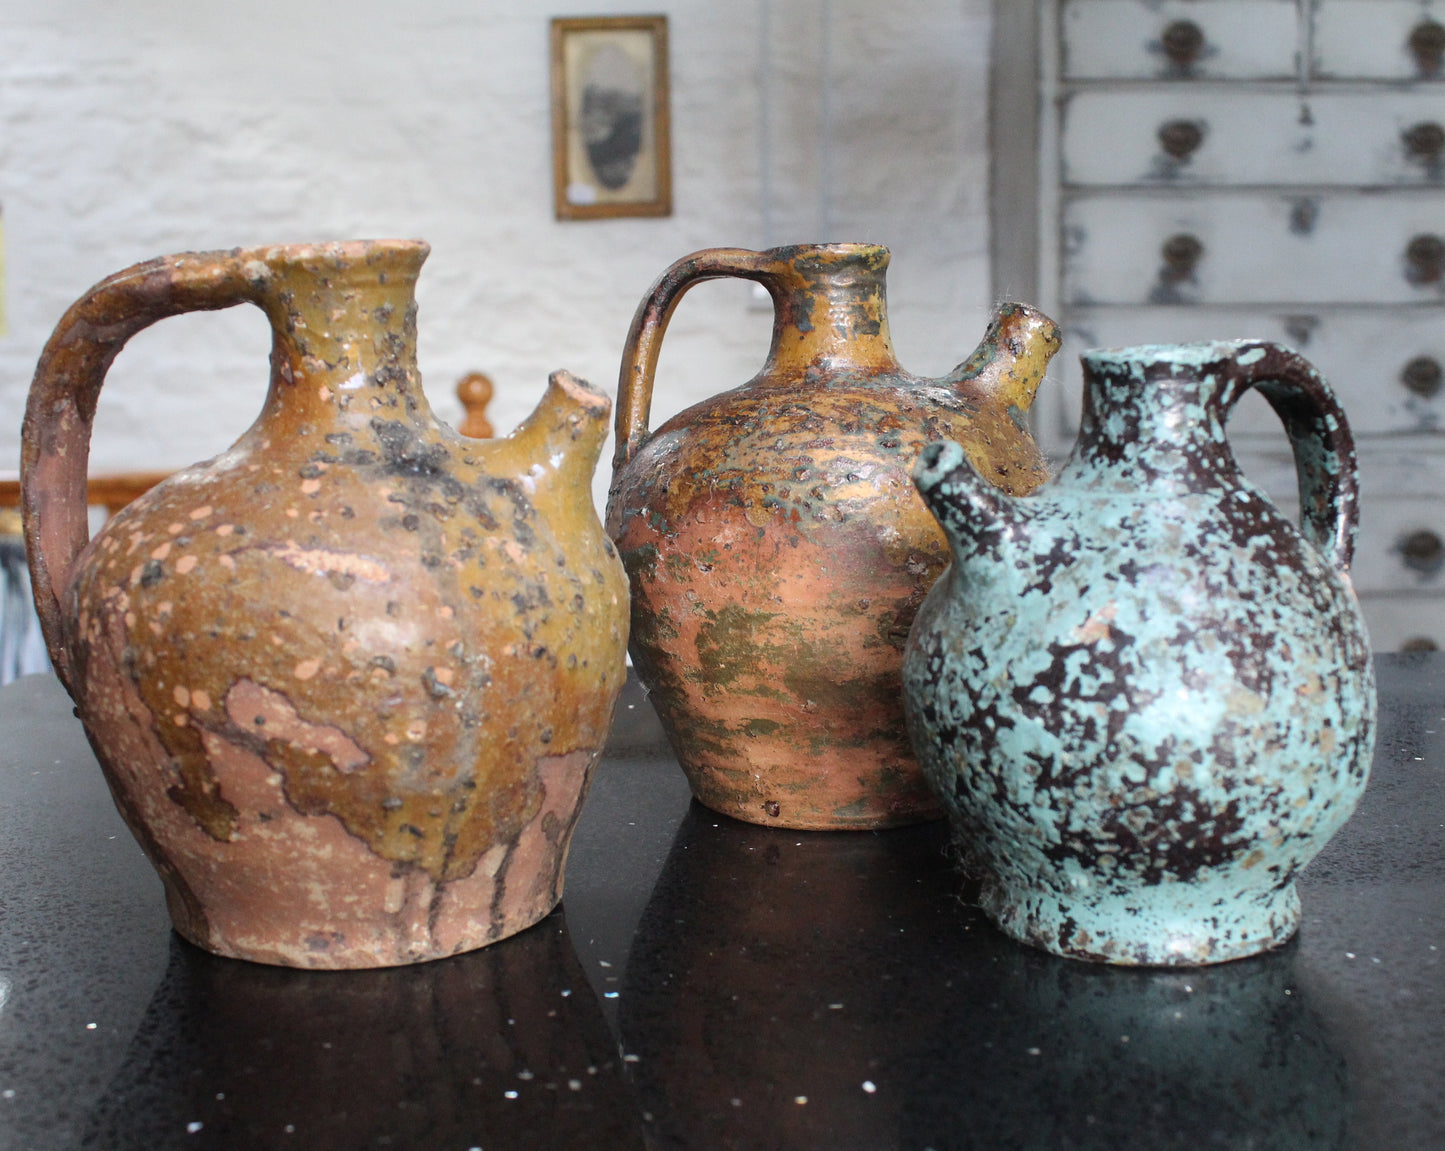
[(474, 390)]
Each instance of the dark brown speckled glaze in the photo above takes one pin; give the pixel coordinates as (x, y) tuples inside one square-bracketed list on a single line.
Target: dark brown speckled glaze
[(1144, 694), (348, 679), (776, 548)]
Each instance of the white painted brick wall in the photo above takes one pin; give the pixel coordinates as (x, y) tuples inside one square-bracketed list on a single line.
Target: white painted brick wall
[(132, 129)]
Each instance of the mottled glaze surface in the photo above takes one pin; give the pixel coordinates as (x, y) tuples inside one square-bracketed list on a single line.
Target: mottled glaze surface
[(1145, 696), (348, 679), (776, 550)]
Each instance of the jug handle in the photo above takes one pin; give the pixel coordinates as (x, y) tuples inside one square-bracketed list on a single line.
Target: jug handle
[(60, 412), (644, 338), (1319, 436)]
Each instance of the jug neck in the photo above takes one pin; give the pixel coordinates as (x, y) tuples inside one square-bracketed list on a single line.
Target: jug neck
[(1161, 409), (830, 310), (343, 319)]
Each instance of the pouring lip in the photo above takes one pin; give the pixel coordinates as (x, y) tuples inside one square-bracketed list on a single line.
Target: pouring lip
[(938, 460)]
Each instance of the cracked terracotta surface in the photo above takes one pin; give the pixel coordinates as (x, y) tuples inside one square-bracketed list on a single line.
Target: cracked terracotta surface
[(776, 548), (348, 679)]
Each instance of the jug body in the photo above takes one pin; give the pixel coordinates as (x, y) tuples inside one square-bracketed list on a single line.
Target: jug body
[(777, 552), (348, 679), (1145, 695)]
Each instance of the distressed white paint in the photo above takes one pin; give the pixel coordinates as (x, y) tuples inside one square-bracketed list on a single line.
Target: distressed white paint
[(1380, 561), (1120, 39), (1270, 248), (131, 130), (1274, 138), (1369, 39)]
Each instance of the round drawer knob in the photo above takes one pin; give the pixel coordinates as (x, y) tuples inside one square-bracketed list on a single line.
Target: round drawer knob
[(1423, 550), (1423, 376), (1426, 256), (1183, 40), (1427, 45), (1179, 138), (1181, 254), (1424, 141), (1420, 643)]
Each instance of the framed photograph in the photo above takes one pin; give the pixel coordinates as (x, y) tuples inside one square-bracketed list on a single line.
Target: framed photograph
[(611, 151)]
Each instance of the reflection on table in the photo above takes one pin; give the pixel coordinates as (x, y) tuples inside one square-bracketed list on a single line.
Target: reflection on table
[(455, 1054), (808, 990)]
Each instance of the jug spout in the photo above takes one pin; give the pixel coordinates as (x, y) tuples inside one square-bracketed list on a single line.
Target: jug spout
[(1010, 361), (980, 521), (563, 436)]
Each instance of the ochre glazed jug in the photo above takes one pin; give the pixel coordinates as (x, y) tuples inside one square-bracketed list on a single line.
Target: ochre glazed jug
[(776, 549), (348, 679), (1144, 694)]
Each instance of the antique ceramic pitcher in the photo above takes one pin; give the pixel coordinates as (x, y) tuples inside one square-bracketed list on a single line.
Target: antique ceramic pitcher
[(776, 550), (1145, 696), (348, 679)]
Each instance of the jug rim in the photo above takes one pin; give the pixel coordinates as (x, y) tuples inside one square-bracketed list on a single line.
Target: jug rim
[(1197, 354), (331, 256), (353, 247), (862, 251)]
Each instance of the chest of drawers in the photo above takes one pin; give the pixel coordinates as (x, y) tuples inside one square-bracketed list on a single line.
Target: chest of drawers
[(1212, 169)]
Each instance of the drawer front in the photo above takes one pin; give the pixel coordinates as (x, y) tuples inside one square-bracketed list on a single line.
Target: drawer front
[(1379, 40), (1387, 366), (1241, 248), (1401, 546), (1179, 39), (1405, 623), (1187, 137)]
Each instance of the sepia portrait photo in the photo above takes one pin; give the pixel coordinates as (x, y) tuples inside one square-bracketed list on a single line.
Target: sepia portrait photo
[(610, 147)]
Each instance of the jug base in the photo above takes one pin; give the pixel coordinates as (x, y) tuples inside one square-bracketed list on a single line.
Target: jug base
[(1162, 925), (861, 792), (298, 890), (802, 817), (365, 944)]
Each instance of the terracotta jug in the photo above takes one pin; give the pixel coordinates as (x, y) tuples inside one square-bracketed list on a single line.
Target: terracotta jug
[(348, 679), (1145, 695), (776, 550)]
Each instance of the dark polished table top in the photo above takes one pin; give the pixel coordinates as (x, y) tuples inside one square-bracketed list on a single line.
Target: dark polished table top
[(715, 985)]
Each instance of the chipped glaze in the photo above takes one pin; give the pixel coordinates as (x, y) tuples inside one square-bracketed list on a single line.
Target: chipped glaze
[(1145, 696), (777, 552), (348, 679)]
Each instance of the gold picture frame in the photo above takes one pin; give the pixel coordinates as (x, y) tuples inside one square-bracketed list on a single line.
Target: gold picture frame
[(611, 133)]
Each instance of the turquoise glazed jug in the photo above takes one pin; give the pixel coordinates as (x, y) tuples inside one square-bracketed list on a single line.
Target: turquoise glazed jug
[(1144, 695)]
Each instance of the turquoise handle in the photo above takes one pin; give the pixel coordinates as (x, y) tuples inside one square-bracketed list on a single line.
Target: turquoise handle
[(1319, 435)]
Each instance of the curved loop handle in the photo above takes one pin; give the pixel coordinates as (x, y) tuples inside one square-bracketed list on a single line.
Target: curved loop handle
[(1319, 435), (61, 409), (644, 338)]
